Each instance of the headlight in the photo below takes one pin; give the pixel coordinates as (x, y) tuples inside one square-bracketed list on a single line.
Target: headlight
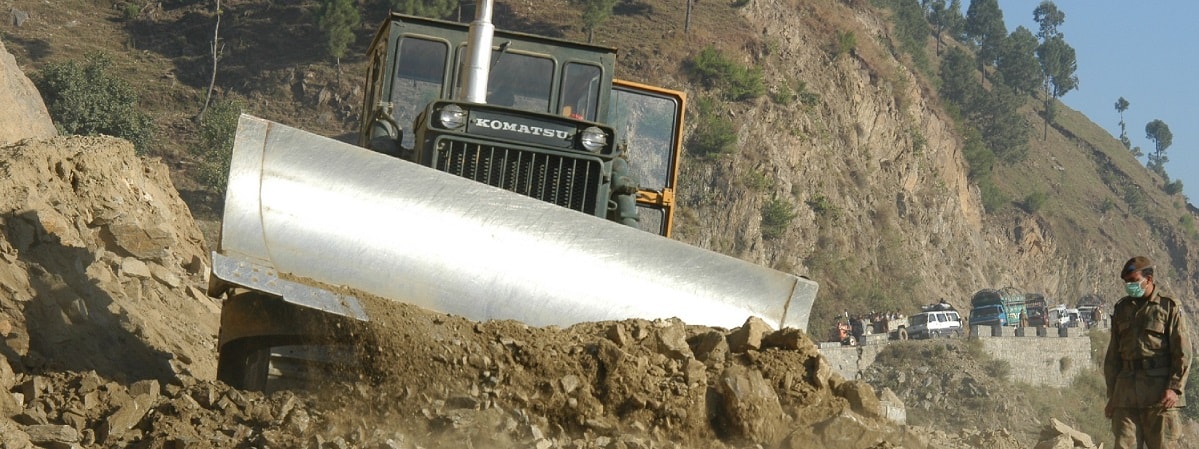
[(593, 139), (452, 116)]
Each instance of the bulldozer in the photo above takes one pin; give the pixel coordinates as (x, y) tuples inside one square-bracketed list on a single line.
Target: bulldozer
[(497, 175)]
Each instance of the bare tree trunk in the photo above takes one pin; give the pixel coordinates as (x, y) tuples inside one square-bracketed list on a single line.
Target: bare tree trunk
[(687, 20), (216, 55)]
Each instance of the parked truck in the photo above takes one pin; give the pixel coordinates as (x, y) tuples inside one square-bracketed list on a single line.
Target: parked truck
[(500, 175), (1090, 309), (1037, 308), (1003, 307)]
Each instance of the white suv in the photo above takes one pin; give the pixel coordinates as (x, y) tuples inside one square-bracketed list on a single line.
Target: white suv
[(935, 324)]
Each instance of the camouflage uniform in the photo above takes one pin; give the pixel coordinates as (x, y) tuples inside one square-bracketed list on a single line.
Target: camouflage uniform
[(1149, 352)]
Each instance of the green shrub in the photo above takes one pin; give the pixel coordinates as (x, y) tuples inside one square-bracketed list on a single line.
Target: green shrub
[(1107, 205), (131, 11), (918, 140), (757, 181), (979, 158), (823, 206), (786, 94), (1173, 188), (714, 70), (776, 217), (88, 99), (993, 199), (1034, 201), (1188, 224), (999, 369), (1135, 198), (808, 98), (844, 43), (213, 148), (715, 134), (783, 95)]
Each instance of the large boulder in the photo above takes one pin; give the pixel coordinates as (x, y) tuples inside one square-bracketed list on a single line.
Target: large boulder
[(24, 115)]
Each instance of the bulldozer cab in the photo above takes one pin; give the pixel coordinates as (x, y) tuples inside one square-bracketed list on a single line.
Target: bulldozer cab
[(541, 93)]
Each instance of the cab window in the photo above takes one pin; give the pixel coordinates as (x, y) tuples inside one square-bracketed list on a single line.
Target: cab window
[(419, 76), (580, 91)]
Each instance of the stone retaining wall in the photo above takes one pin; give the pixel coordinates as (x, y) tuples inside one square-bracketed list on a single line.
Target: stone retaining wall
[(1052, 359)]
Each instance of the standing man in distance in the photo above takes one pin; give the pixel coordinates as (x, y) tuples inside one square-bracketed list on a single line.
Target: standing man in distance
[(1147, 363)]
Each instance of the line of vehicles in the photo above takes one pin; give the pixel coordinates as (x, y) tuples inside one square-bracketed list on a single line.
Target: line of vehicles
[(989, 307), (1011, 307)]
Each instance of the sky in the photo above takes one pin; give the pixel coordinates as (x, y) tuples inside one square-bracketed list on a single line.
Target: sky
[(1144, 51)]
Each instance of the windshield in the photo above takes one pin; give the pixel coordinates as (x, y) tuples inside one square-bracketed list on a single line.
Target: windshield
[(520, 81)]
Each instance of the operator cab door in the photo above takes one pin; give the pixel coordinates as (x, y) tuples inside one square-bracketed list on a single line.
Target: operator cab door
[(649, 122)]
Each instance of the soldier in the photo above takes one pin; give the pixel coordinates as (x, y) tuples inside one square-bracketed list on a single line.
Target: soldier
[(1147, 363)]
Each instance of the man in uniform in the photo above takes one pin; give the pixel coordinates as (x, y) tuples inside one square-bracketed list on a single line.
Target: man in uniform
[(1147, 363)]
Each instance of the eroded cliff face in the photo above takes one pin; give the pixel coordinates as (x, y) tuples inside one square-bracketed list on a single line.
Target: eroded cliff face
[(878, 181)]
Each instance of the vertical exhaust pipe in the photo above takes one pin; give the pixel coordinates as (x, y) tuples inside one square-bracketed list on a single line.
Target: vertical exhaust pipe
[(478, 55)]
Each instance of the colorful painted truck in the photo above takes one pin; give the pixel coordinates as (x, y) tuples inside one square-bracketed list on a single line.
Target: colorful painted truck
[(991, 306), (1037, 309)]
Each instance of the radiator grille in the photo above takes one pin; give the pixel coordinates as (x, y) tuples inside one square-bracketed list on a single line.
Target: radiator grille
[(567, 182)]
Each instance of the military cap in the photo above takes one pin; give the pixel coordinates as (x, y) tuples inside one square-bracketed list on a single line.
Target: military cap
[(1137, 263)]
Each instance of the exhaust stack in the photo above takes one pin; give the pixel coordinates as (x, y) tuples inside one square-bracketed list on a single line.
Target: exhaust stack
[(478, 55)]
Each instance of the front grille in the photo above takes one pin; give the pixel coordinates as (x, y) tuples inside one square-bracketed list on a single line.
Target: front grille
[(567, 182)]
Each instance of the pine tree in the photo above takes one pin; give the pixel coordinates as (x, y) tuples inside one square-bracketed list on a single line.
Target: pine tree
[(595, 12), (437, 9), (337, 19)]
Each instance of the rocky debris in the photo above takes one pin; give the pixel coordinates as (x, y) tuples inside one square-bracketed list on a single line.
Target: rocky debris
[(24, 115), (751, 406), (505, 408), (749, 335), (96, 256), (1058, 435), (893, 408), (494, 384), (19, 17)]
